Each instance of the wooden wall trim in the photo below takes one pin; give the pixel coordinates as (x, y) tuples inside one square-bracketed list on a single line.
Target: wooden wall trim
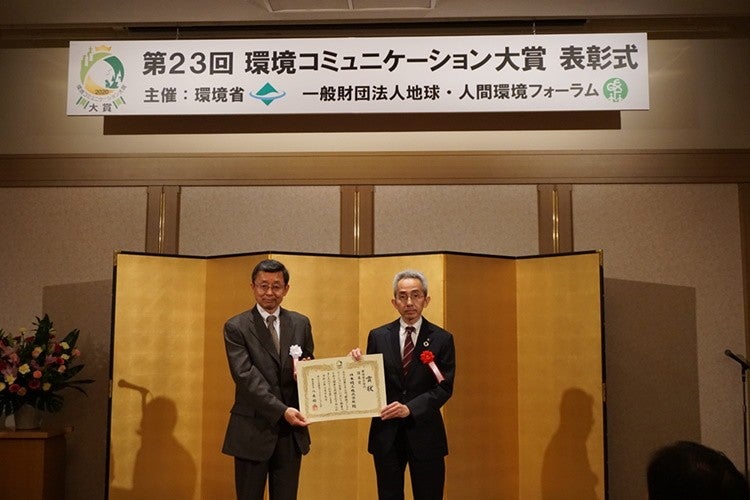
[(373, 168), (162, 219), (357, 220), (555, 207)]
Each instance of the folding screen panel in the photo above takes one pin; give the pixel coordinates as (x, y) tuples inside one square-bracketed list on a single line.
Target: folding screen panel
[(560, 364), (158, 378), (482, 416), (528, 339)]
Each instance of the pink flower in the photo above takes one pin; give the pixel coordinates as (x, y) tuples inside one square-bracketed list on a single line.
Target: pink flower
[(14, 388), (61, 368), (37, 374)]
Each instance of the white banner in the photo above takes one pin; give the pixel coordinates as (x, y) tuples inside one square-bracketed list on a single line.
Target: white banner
[(456, 74)]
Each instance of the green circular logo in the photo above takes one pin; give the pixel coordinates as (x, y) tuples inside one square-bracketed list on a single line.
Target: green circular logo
[(101, 72), (615, 89), (102, 76)]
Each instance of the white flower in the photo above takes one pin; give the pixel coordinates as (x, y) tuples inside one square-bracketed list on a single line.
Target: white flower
[(295, 351)]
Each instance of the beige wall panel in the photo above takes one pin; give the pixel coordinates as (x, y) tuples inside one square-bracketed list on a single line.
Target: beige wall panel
[(561, 421), (480, 304), (59, 236), (224, 220), (680, 235), (677, 69), (652, 377), (156, 438), (493, 220)]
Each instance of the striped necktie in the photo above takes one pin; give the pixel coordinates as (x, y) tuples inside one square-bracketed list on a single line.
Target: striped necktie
[(408, 349)]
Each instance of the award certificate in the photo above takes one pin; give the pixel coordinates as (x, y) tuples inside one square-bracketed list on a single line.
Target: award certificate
[(341, 388)]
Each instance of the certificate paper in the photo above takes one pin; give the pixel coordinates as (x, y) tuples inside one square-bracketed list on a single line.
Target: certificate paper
[(340, 388)]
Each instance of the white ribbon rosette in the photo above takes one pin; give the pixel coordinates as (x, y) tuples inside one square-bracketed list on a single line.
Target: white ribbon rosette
[(295, 352)]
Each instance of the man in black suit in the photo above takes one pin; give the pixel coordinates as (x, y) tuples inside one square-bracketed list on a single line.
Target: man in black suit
[(267, 434), (410, 428)]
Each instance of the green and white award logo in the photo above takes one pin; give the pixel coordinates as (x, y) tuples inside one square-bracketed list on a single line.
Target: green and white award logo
[(615, 89), (102, 75)]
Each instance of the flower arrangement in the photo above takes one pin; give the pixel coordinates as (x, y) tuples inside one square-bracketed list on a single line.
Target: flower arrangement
[(34, 368)]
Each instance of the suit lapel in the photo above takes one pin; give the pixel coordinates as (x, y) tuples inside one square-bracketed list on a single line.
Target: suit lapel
[(287, 335), (394, 342), (423, 336), (263, 335)]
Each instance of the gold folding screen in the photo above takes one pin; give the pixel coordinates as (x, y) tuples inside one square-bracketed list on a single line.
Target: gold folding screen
[(528, 339)]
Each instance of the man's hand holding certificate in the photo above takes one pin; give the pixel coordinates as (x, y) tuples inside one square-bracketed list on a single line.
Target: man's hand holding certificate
[(341, 388)]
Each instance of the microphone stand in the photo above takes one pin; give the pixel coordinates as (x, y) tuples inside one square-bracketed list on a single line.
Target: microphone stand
[(744, 367)]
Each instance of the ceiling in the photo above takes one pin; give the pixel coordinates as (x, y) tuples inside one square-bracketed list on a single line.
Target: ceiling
[(41, 22)]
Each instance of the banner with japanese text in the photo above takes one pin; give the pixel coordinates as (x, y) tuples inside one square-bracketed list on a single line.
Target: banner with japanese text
[(451, 74)]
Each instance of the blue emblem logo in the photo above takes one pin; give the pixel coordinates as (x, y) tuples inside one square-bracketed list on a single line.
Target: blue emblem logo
[(267, 94)]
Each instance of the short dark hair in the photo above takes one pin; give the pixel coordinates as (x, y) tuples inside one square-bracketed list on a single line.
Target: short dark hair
[(270, 266), (691, 471)]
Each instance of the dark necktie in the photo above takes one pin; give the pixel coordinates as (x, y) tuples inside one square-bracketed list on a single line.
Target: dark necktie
[(271, 328), (408, 349)]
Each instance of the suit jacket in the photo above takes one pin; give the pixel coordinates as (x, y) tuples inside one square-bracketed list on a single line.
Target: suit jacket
[(419, 390), (264, 382)]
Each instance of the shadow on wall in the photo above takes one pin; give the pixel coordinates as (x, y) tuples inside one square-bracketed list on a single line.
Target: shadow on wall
[(88, 307), (163, 467), (566, 470)]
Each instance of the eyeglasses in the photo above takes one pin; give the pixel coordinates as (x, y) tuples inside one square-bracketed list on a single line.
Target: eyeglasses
[(276, 288), (414, 296)]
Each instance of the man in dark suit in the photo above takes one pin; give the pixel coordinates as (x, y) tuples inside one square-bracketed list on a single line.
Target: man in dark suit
[(267, 435), (410, 428)]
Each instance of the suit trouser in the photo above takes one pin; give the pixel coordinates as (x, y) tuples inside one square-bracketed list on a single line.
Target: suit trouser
[(427, 476), (282, 471)]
